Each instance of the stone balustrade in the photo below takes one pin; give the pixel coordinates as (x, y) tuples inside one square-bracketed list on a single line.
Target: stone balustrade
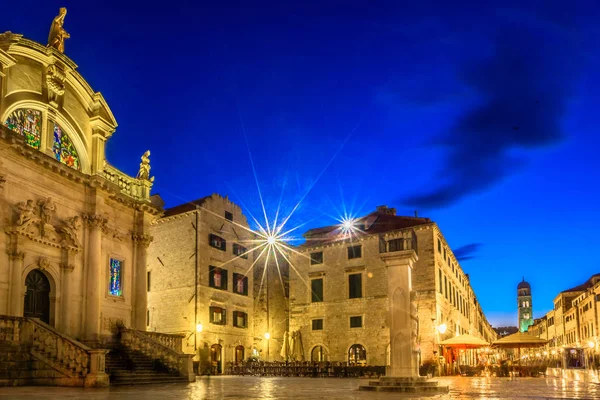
[(147, 344), (78, 364), (136, 188), (172, 341), (10, 329)]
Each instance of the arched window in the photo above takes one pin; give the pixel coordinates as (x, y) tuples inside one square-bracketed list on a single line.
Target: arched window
[(318, 354), (28, 123), (357, 355), (63, 148)]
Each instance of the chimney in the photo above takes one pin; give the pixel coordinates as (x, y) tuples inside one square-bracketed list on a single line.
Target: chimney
[(416, 214), (384, 209)]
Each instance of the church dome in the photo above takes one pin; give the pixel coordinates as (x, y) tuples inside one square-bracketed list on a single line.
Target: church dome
[(524, 285)]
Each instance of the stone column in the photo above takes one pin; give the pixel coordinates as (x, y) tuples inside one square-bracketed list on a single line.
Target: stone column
[(16, 283), (95, 283), (403, 318), (140, 292), (65, 312)]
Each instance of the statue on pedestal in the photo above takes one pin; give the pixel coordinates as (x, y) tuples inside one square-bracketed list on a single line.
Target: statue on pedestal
[(144, 171), (57, 35)]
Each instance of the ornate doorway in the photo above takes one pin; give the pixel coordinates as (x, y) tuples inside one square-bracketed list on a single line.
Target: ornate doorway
[(215, 359), (37, 297)]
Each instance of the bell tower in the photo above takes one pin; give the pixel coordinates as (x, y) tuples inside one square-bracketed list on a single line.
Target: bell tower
[(524, 305)]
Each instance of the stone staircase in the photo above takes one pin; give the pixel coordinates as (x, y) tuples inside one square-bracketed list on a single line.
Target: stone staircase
[(126, 367)]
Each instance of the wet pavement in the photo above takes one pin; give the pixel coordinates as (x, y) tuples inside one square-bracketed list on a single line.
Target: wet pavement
[(249, 387)]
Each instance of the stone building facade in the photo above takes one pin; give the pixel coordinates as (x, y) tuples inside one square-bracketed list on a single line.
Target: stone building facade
[(74, 230), (574, 320), (339, 299), (204, 281)]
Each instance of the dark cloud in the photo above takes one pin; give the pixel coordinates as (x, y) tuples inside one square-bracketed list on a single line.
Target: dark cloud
[(466, 252), (523, 89)]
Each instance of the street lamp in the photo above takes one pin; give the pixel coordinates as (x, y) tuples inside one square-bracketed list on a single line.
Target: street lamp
[(442, 328), (199, 328)]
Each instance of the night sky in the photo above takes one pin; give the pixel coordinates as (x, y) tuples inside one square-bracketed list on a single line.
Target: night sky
[(482, 118)]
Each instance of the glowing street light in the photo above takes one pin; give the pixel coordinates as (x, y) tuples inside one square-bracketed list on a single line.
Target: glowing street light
[(591, 345), (267, 336), (199, 328), (442, 328)]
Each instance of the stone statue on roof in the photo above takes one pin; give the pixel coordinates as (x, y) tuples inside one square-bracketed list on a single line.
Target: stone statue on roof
[(57, 35), (144, 171)]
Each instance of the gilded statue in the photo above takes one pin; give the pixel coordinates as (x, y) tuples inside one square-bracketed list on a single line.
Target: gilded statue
[(26, 211), (57, 35), (144, 172)]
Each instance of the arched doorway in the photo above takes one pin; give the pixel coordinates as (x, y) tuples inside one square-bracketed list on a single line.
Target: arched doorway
[(239, 354), (37, 297), (318, 354), (357, 355), (215, 359)]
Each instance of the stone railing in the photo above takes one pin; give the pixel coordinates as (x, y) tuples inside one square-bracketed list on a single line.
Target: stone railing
[(10, 329), (138, 189), (146, 343), (172, 341), (80, 365), (407, 242)]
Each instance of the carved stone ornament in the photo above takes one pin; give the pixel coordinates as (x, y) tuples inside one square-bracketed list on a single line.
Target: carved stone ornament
[(142, 239), (34, 221), (96, 221), (67, 267), (55, 81), (2, 181), (43, 263), (15, 255), (71, 229)]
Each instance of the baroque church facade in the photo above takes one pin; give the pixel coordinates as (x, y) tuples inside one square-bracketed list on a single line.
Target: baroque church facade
[(73, 228)]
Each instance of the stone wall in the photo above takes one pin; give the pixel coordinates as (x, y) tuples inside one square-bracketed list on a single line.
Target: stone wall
[(172, 268), (434, 308)]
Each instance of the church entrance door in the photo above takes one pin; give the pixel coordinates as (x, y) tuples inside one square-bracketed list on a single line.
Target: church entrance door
[(37, 297)]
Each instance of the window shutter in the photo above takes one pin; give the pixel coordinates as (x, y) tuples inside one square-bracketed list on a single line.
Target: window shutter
[(224, 316), (224, 279)]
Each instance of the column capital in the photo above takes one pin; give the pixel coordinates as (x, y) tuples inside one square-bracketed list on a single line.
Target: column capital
[(142, 239), (67, 267), (15, 255), (95, 220)]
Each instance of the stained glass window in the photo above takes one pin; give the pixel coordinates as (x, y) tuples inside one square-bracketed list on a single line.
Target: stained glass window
[(63, 148), (115, 287), (28, 123)]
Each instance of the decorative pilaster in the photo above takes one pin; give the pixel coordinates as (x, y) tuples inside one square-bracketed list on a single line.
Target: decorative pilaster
[(95, 223), (403, 318), (65, 320), (16, 285), (140, 297)]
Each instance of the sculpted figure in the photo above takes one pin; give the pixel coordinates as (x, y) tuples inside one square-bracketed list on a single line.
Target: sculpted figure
[(57, 35), (72, 226), (48, 210), (144, 172), (26, 211)]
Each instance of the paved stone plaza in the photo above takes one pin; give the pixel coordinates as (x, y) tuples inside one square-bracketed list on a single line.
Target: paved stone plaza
[(238, 387)]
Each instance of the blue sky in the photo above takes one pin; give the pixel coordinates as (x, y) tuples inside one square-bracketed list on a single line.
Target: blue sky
[(482, 118)]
